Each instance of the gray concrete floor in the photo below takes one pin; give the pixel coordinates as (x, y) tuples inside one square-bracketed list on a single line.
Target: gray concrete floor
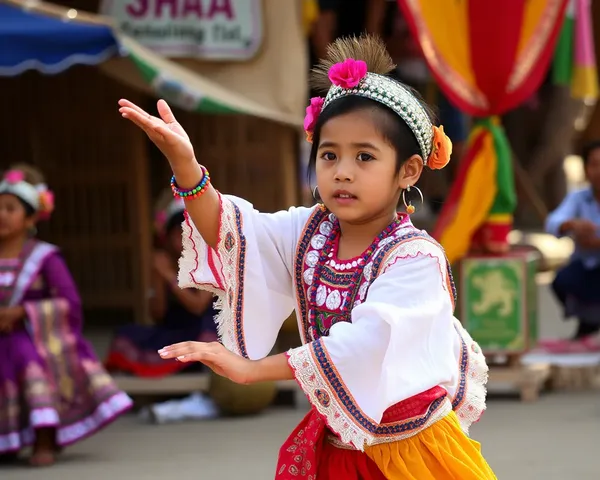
[(556, 438)]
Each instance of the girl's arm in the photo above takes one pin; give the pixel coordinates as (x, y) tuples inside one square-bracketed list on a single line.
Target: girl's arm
[(205, 210), (272, 369), (246, 258), (172, 140)]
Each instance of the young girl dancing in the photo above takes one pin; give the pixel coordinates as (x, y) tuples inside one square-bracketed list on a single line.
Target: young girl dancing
[(393, 379), (53, 390)]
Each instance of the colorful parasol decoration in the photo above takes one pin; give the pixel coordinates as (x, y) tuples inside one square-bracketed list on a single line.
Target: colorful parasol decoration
[(487, 57), (575, 57)]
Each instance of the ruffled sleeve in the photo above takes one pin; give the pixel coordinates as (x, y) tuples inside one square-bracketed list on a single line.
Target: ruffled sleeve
[(401, 341), (250, 272)]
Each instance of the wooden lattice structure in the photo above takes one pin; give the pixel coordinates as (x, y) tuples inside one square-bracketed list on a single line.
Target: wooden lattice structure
[(106, 175)]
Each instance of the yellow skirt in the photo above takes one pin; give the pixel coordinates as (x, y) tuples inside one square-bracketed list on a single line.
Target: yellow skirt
[(441, 452)]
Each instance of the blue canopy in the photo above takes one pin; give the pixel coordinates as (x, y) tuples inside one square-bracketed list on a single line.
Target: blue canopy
[(33, 41)]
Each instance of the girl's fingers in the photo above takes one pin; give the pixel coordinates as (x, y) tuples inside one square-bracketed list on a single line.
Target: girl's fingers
[(134, 119), (155, 130), (174, 353), (165, 112), (182, 349), (178, 346), (139, 118), (126, 103)]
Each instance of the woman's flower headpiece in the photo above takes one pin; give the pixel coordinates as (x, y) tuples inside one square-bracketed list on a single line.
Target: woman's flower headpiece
[(38, 197), (351, 77)]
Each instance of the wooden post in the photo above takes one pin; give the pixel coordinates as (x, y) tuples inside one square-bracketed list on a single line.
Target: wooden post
[(140, 214), (289, 167), (528, 188)]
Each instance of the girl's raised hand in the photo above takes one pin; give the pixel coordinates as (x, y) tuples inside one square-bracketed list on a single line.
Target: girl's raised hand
[(216, 357), (166, 133)]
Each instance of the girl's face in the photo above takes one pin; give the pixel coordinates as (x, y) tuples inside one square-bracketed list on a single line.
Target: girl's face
[(13, 217), (356, 169)]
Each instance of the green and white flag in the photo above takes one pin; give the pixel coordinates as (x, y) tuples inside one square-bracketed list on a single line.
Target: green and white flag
[(191, 91)]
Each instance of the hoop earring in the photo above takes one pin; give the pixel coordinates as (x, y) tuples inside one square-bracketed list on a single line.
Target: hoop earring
[(410, 208), (316, 195)]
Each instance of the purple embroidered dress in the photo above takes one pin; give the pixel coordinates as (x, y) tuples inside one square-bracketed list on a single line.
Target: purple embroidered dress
[(49, 375)]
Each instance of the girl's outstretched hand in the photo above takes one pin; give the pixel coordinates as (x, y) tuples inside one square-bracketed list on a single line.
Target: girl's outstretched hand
[(216, 357), (166, 133)]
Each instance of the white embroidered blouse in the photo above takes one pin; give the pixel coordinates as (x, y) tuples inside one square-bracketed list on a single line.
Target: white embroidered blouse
[(378, 331)]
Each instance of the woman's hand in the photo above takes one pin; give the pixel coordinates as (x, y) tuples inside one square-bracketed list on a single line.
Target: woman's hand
[(166, 133), (9, 316), (216, 357)]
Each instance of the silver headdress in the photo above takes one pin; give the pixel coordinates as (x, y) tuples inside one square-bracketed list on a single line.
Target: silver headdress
[(395, 96), (358, 66)]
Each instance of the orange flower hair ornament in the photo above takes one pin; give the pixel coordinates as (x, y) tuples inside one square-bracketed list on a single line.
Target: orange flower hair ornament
[(441, 149)]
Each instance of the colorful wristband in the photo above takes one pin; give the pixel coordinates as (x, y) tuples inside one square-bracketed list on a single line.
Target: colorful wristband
[(192, 193)]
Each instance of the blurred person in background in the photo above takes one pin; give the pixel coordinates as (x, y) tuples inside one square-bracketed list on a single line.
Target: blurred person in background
[(577, 285), (178, 315), (53, 390)]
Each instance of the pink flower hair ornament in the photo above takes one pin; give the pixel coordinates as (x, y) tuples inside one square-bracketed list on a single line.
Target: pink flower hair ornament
[(14, 176), (312, 115), (348, 74)]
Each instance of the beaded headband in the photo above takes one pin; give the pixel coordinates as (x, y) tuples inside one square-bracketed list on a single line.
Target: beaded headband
[(351, 77), (394, 96), (38, 197)]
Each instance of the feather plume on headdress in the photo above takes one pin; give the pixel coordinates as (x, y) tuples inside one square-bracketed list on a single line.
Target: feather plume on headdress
[(367, 48)]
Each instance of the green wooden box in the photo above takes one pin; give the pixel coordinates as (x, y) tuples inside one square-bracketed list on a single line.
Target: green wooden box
[(498, 300)]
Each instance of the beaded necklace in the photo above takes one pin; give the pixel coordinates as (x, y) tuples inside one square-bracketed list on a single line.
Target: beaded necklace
[(358, 262)]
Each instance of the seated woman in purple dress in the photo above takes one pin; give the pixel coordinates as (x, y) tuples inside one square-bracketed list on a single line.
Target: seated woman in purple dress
[(577, 285), (180, 315), (53, 390)]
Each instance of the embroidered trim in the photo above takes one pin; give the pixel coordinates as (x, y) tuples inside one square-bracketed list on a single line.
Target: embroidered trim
[(318, 216), (318, 378), (189, 262), (411, 245), (32, 264), (469, 400), (231, 254)]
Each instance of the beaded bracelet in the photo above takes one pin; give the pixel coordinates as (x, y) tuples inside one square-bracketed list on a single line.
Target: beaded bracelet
[(195, 192)]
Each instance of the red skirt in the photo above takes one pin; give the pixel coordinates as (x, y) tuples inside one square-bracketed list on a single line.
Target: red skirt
[(309, 450), (313, 448)]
